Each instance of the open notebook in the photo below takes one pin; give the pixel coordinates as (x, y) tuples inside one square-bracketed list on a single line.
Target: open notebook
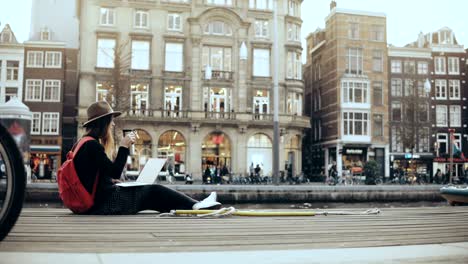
[(148, 174)]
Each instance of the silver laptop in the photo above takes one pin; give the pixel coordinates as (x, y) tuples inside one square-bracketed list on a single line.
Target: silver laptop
[(148, 174)]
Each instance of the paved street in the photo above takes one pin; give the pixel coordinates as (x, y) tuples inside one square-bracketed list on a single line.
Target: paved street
[(409, 235)]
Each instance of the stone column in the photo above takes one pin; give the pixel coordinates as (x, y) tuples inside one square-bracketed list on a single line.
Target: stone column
[(196, 89), (194, 143), (339, 160)]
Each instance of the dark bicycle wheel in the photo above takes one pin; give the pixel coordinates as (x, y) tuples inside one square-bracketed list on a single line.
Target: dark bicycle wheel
[(12, 182)]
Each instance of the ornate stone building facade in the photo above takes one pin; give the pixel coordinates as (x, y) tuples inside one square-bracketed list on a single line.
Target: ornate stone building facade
[(198, 75)]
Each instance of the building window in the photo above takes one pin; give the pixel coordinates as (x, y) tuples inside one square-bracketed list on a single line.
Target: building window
[(378, 93), (422, 92), (377, 61), (173, 99), (441, 115), (139, 97), (409, 89), (217, 99), (457, 141), (35, 59), (103, 92), (423, 112), (378, 125), (12, 70), (141, 19), (45, 34), (397, 87), (409, 67), (261, 4), (36, 123), (140, 55), (261, 28), (105, 53), (107, 17), (174, 22), (396, 111), (423, 67), (51, 90), (294, 32), (377, 33), (455, 116), (423, 145), (50, 123), (10, 92), (294, 70), (355, 92), (454, 89), (353, 31), (53, 59), (219, 2), (294, 8), (439, 65), (261, 61), (218, 58), (33, 90), (453, 65), (397, 144), (261, 103), (441, 89), (294, 103), (354, 61), (217, 28), (445, 37), (396, 66), (442, 143), (174, 57), (355, 123)]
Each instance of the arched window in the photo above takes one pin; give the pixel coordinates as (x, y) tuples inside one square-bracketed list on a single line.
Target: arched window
[(259, 152), (217, 28)]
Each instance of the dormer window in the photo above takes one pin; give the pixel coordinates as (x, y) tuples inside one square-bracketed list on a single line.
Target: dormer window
[(445, 37), (45, 34), (218, 28)]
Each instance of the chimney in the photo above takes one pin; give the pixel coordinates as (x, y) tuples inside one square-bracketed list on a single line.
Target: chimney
[(332, 5)]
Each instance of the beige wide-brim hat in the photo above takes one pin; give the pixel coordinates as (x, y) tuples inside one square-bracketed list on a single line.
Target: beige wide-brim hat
[(98, 110)]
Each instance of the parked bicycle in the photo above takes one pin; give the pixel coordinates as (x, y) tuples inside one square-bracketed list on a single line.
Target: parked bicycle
[(12, 182)]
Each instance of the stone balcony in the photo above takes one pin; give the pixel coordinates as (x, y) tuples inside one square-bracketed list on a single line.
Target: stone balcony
[(233, 118)]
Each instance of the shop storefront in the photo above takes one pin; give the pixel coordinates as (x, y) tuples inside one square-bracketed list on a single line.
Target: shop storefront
[(460, 166), (354, 159), (412, 165), (45, 161)]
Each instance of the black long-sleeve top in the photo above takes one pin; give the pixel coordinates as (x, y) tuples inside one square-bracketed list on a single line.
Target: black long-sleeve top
[(92, 158)]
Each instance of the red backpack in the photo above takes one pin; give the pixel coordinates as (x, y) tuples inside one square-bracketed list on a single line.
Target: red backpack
[(73, 194)]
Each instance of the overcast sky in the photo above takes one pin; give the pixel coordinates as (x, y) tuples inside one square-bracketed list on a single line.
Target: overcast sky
[(405, 18)]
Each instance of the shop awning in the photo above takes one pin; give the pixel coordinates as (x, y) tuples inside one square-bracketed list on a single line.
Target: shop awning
[(45, 148)]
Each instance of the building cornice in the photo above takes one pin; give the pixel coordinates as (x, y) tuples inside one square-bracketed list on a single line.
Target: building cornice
[(446, 48), (44, 44), (421, 53), (354, 12)]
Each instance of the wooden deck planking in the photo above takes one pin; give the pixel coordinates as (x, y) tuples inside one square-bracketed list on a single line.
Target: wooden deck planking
[(56, 230)]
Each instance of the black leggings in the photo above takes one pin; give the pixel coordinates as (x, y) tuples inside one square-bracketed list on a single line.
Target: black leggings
[(131, 200)]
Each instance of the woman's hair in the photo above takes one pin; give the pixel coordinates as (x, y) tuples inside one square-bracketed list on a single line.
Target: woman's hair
[(101, 129)]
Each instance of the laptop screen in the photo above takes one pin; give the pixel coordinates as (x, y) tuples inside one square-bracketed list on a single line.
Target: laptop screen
[(150, 171)]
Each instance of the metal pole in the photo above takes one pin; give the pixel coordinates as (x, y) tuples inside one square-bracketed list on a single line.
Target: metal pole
[(451, 130), (275, 96)]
